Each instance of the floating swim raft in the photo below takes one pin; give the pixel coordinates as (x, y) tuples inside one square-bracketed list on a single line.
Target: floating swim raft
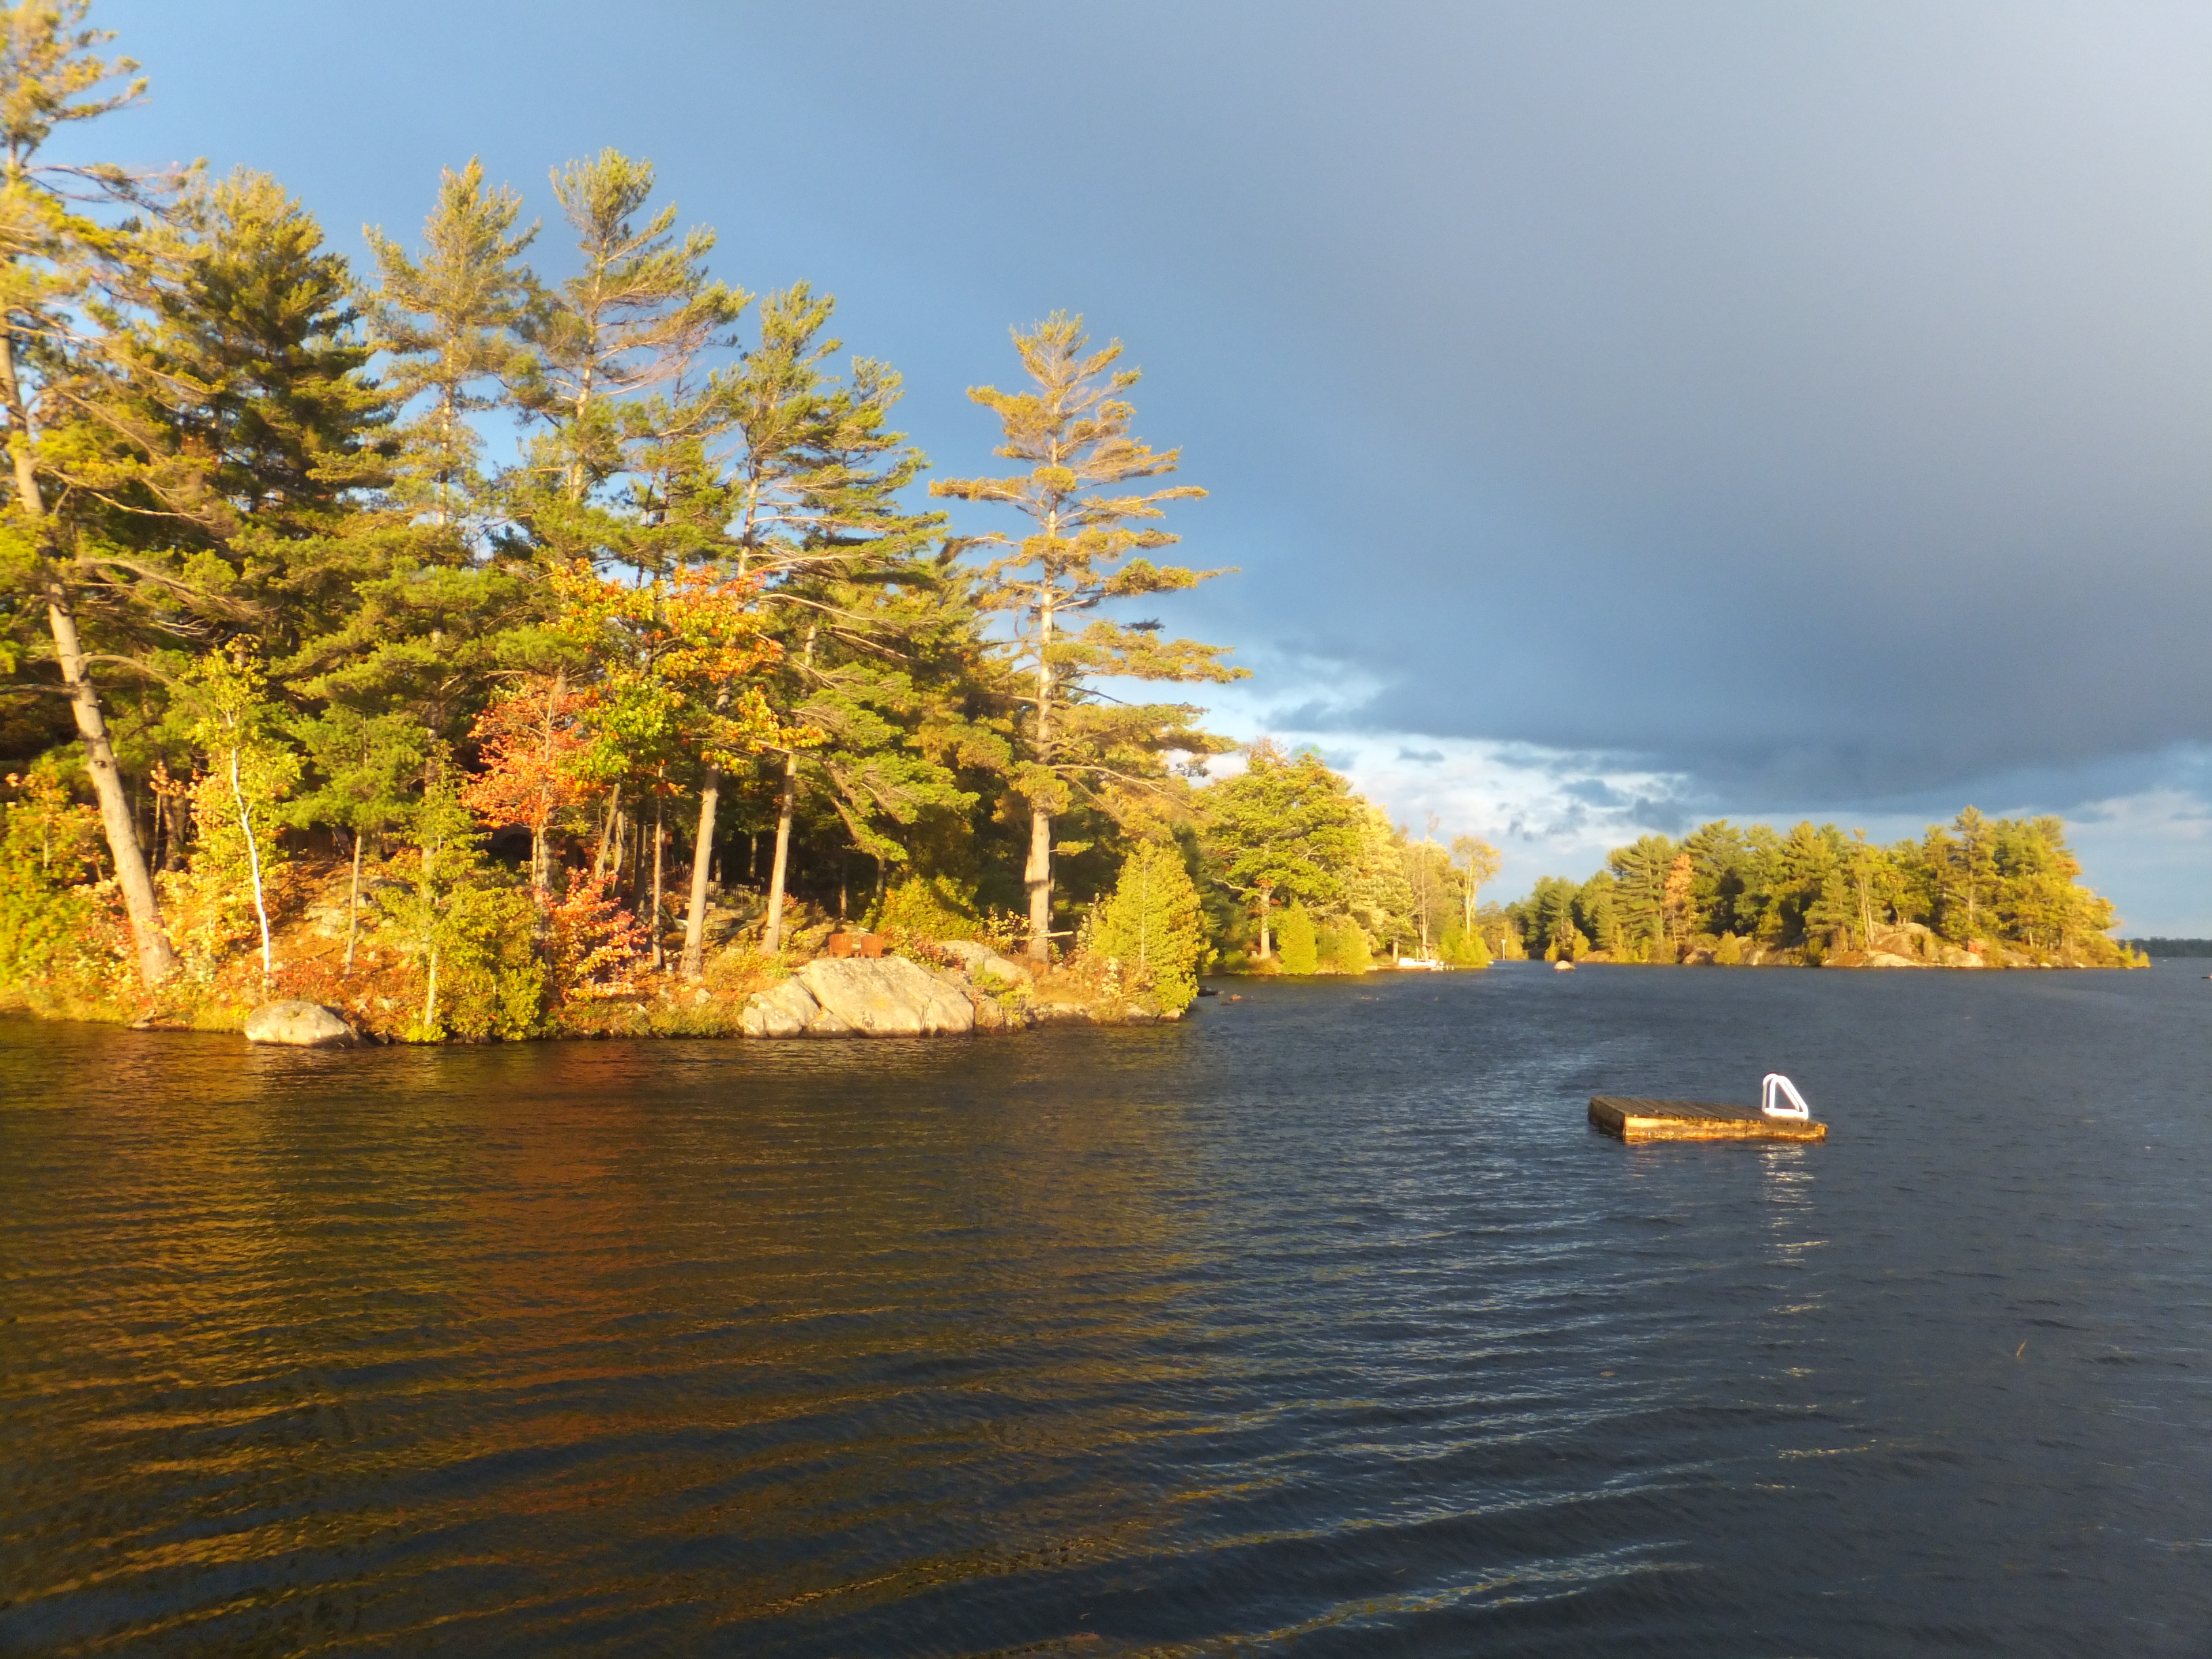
[(1636, 1117)]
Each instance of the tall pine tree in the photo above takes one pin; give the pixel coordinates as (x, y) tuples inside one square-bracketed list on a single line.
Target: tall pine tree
[(1071, 432)]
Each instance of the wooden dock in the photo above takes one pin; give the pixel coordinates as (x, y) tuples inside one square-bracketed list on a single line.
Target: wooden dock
[(1632, 1118)]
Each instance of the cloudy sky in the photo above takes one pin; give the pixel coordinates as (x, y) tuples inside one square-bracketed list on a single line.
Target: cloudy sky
[(1621, 415)]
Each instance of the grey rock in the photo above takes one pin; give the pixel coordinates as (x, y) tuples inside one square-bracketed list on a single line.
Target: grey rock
[(979, 959), (1061, 1013), (888, 996), (787, 1010), (299, 1025)]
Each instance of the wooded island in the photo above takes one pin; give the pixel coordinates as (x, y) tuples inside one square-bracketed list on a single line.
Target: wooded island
[(489, 654)]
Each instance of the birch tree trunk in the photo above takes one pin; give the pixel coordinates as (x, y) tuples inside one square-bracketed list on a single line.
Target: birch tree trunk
[(786, 800), (702, 854), (703, 850), (253, 863), (1037, 874), (157, 960), (659, 839), (353, 908), (786, 804)]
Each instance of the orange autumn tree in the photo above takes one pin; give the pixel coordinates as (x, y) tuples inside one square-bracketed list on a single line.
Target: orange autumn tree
[(676, 663), (535, 746), (591, 941)]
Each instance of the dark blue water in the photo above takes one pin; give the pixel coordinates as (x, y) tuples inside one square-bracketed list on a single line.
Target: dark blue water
[(1320, 1324)]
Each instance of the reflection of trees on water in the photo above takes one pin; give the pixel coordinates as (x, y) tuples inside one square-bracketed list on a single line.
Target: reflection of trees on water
[(735, 1332)]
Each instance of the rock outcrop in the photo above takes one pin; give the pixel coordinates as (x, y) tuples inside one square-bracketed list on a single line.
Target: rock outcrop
[(888, 997), (977, 959), (299, 1025), (788, 1010), (857, 996)]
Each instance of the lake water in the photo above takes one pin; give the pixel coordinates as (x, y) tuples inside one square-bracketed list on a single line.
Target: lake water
[(1321, 1323)]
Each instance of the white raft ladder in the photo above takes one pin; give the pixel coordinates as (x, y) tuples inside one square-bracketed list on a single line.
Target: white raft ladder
[(1774, 1085)]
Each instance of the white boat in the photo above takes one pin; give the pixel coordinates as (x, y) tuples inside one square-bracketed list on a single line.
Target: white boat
[(1432, 965)]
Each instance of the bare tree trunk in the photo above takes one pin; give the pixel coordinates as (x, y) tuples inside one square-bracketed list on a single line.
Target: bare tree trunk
[(659, 841), (702, 855), (156, 960), (787, 802), (703, 852), (779, 862), (1266, 945), (353, 908), (609, 822), (541, 863), (253, 863), (1037, 874)]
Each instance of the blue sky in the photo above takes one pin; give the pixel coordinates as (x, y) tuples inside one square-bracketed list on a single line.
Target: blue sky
[(1620, 416)]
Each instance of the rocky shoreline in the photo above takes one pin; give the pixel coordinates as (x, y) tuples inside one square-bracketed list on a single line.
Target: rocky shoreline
[(972, 988)]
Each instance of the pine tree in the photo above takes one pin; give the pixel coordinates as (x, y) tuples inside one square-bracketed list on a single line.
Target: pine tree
[(636, 317), (1150, 930), (439, 609), (870, 624), (366, 766), (1073, 433), (449, 321)]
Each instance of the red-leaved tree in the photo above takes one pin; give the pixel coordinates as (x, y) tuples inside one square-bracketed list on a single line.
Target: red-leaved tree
[(592, 942), (534, 745)]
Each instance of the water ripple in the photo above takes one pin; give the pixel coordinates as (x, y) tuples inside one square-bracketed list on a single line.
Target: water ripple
[(1319, 1324)]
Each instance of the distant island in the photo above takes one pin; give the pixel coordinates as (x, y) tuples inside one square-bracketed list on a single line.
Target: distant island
[(1978, 892), (2171, 947)]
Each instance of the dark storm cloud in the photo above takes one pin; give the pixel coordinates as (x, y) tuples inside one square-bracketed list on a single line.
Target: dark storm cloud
[(1812, 400)]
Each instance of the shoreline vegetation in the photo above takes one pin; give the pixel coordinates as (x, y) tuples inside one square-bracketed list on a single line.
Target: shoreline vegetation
[(490, 653)]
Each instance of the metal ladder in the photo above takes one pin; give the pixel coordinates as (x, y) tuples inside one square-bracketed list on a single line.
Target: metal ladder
[(1773, 1085)]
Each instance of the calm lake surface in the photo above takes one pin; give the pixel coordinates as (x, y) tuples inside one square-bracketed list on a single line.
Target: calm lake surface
[(1320, 1324)]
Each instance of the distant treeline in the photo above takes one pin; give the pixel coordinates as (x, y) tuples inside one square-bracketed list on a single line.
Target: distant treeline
[(2171, 947), (1731, 895)]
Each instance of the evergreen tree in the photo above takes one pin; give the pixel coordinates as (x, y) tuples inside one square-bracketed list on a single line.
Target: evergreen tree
[(866, 619), (1072, 432), (1150, 929), (365, 766), (449, 320)]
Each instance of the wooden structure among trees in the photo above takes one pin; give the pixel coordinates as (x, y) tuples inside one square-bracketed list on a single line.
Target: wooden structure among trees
[(1632, 1118)]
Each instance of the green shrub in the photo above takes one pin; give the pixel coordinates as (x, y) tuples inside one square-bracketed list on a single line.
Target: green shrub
[(1295, 942), (46, 842), (1462, 949), (1342, 949), (927, 907)]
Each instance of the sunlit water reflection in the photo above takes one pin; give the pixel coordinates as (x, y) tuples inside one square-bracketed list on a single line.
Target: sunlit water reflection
[(1321, 1323)]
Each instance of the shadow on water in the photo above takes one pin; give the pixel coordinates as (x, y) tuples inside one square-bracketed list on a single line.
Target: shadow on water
[(1319, 1323)]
